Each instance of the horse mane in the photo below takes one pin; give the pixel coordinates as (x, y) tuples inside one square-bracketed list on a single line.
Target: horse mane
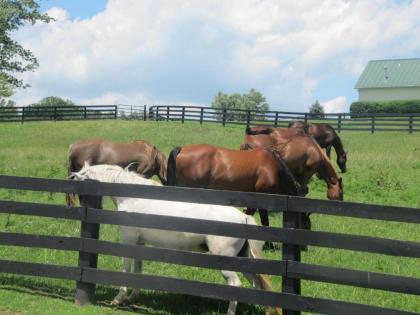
[(259, 130), (285, 173), (116, 174)]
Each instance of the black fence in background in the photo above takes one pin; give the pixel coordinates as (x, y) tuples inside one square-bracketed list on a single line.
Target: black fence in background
[(340, 121), (289, 267), (55, 113)]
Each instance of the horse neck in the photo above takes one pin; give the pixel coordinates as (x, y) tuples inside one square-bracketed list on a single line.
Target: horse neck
[(338, 145), (327, 171)]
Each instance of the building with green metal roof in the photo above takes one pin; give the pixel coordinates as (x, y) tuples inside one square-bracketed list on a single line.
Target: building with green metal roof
[(385, 80)]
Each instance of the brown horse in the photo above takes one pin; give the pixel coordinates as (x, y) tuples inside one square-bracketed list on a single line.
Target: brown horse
[(326, 137), (300, 152), (149, 160), (303, 156), (207, 166)]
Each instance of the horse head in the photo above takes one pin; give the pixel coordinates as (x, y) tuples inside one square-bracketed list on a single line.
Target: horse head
[(335, 190), (341, 161)]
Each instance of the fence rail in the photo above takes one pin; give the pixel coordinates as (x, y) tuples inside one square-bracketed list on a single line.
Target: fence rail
[(289, 267), (340, 121)]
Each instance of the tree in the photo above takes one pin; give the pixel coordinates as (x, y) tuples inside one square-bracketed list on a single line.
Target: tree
[(13, 57), (53, 107), (51, 101), (316, 110), (253, 101)]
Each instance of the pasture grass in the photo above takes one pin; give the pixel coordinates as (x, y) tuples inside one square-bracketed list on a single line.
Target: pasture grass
[(383, 168)]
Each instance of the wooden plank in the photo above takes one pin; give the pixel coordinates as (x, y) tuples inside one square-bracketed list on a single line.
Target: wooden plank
[(209, 196), (356, 278), (85, 292), (225, 292), (240, 264), (291, 253), (356, 210), (184, 224), (40, 241), (42, 210), (271, 234), (40, 270)]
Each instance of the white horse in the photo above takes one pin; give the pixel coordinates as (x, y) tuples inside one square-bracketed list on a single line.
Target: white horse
[(218, 245)]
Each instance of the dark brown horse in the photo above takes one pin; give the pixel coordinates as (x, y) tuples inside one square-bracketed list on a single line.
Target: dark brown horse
[(207, 166), (326, 137), (149, 160)]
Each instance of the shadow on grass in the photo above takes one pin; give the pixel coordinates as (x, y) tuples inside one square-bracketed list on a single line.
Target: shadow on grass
[(148, 303)]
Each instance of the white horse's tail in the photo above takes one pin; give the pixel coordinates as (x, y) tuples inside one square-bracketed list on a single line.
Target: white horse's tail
[(253, 249)]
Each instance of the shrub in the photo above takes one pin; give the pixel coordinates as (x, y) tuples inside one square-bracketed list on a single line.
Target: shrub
[(400, 107)]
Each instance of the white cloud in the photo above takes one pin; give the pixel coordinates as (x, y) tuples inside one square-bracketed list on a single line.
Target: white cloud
[(336, 105), (171, 51)]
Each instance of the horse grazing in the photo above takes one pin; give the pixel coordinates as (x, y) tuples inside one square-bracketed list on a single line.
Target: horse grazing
[(219, 245), (150, 161), (303, 156), (326, 137)]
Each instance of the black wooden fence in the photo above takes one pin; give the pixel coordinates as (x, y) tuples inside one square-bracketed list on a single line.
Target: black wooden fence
[(289, 267), (340, 121), (25, 114)]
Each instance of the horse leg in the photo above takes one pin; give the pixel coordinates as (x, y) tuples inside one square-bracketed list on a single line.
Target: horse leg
[(122, 294), (137, 269), (232, 279), (262, 282), (265, 222)]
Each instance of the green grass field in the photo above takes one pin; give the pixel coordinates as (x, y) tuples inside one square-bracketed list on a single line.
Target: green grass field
[(383, 168)]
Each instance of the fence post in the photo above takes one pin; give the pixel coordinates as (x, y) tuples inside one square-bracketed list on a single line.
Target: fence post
[(183, 114), (248, 117), (167, 113), (291, 220), (410, 124), (85, 292), (339, 123), (55, 113), (144, 112), (306, 118), (85, 113), (276, 120), (115, 111), (372, 127), (224, 117), (23, 115), (201, 115)]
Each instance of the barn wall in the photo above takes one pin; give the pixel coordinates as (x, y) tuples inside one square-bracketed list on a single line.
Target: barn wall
[(389, 94)]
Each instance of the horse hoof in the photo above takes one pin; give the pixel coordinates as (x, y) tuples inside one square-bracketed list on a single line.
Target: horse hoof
[(268, 246)]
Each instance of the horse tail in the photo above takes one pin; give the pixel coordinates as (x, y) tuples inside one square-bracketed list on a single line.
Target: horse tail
[(284, 174), (171, 168), (70, 197), (161, 164), (253, 249), (259, 130)]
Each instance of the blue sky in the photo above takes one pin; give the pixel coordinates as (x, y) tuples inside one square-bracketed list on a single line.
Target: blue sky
[(183, 52), (75, 8)]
